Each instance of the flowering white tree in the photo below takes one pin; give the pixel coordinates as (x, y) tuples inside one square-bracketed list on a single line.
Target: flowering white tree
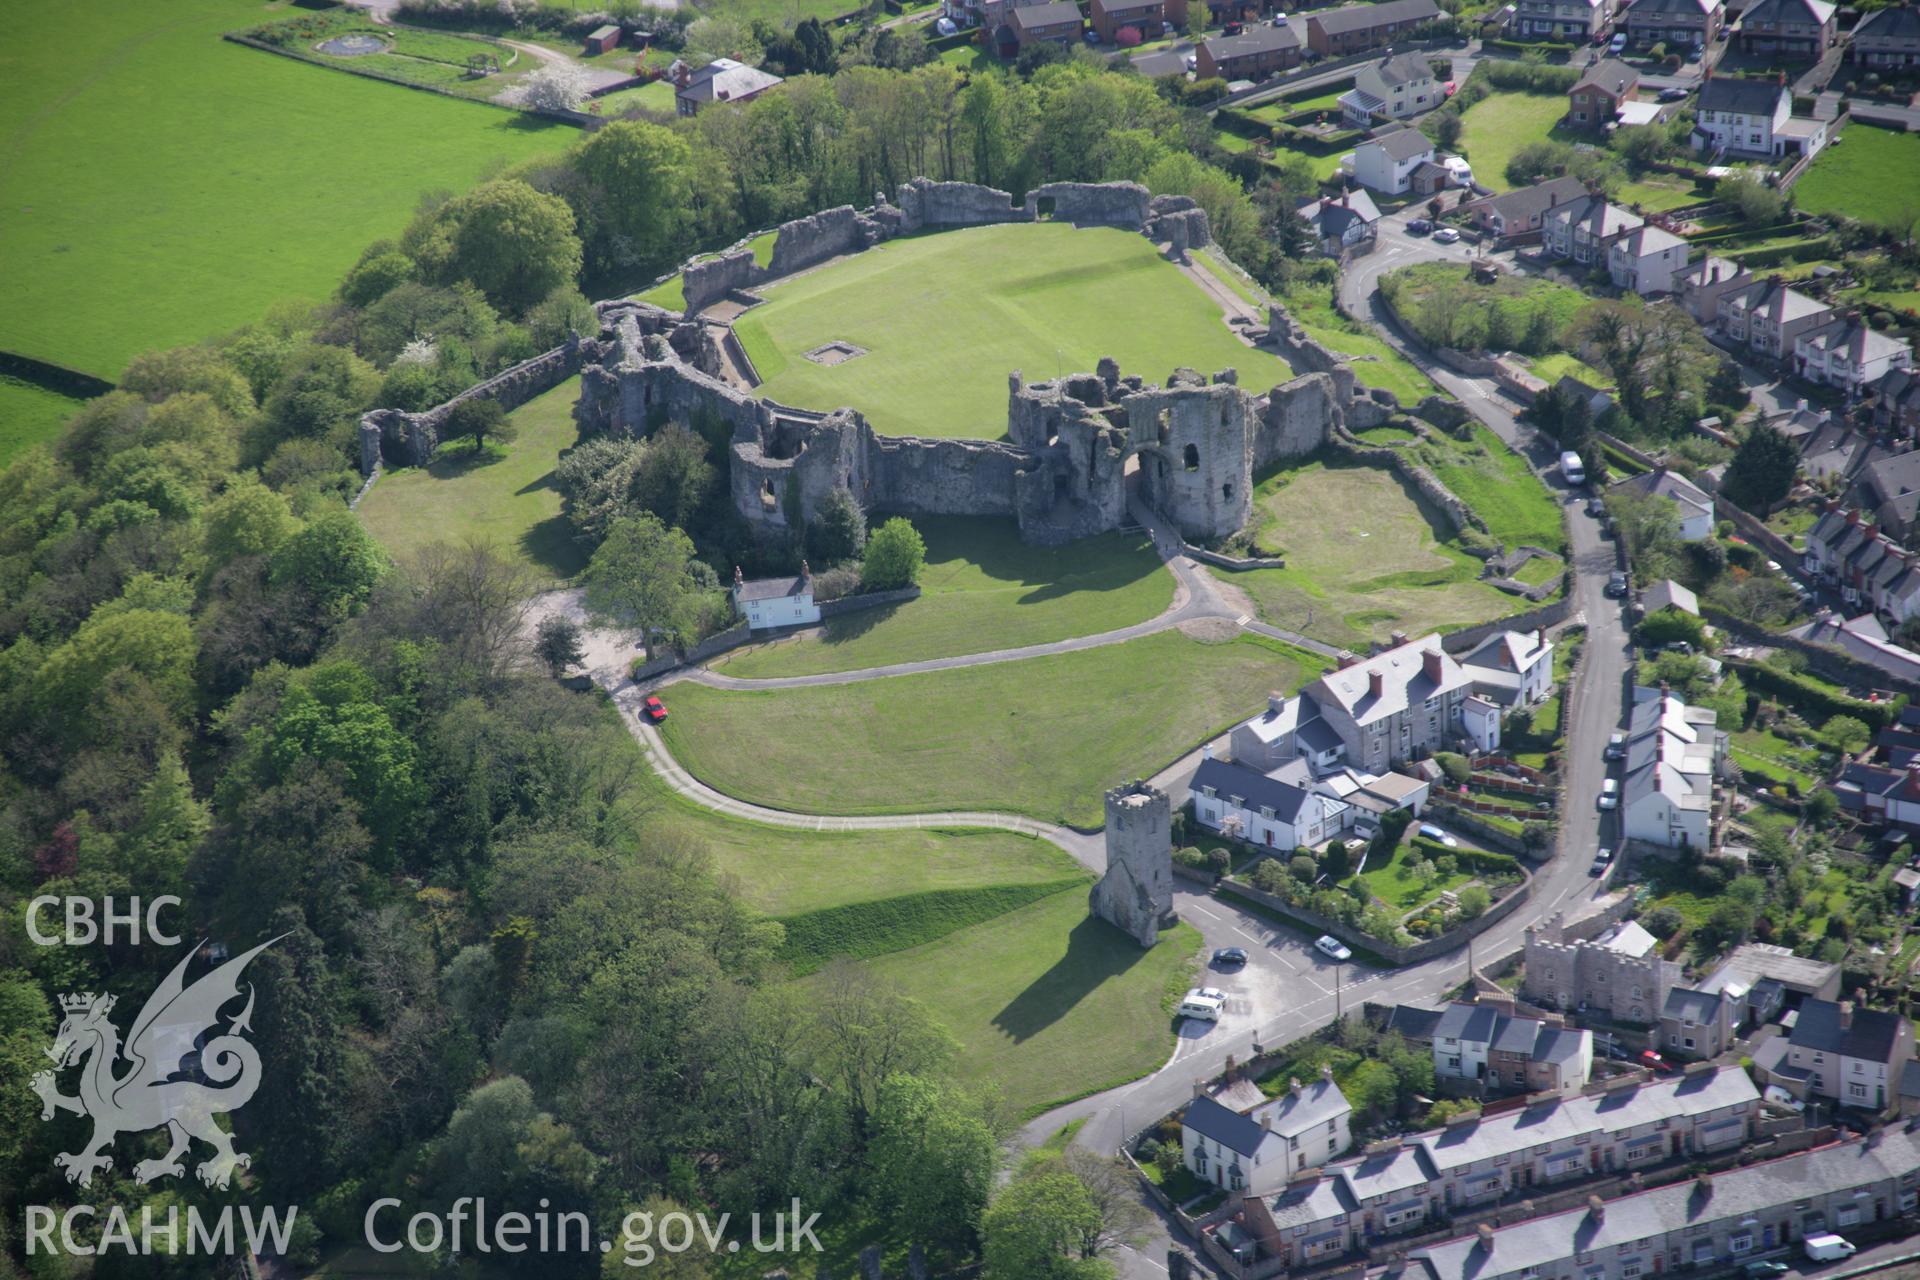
[(558, 86)]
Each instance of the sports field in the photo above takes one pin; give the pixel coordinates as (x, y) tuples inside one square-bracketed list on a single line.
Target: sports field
[(1870, 174), (1495, 128), (945, 317), (1043, 737), (982, 589), (1364, 560), (504, 497), (161, 185)]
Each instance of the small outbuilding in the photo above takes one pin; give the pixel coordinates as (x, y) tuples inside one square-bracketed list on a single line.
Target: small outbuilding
[(603, 39)]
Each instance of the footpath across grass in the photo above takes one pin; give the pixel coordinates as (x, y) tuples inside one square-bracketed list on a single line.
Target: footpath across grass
[(505, 496), (1043, 737), (1048, 1003), (1364, 559), (163, 185), (943, 318), (1871, 174), (982, 589)]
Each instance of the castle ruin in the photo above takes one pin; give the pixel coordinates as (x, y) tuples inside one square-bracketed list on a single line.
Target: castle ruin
[(1135, 896)]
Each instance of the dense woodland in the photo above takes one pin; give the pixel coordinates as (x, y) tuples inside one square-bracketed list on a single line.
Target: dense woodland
[(503, 971)]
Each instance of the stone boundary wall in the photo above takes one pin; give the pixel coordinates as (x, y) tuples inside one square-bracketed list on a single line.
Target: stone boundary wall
[(1396, 953), (1430, 486), (1547, 615), (714, 645), (414, 436), (366, 486), (866, 600), (1466, 820), (739, 635), (1235, 564), (1640, 456), (58, 377), (1750, 527)]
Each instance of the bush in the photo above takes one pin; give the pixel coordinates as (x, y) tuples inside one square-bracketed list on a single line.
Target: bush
[(836, 583), (1302, 868), (1454, 765), (1219, 861), (1191, 857)]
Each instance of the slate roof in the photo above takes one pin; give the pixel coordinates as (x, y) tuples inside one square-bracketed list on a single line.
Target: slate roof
[(1365, 17), (1404, 144), (1668, 594), (1413, 1022), (1661, 8), (1292, 1113), (1559, 1044), (1516, 1035), (1257, 39), (1645, 241), (1747, 97), (1670, 485), (1255, 790), (1895, 476), (1404, 681), (1399, 68), (1383, 1175), (771, 588), (1039, 16), (1230, 1129), (1817, 12), (1475, 1022), (1899, 23), (724, 80), (1305, 1203), (1613, 76), (1684, 1004), (1753, 962), (1856, 342), (1871, 1035)]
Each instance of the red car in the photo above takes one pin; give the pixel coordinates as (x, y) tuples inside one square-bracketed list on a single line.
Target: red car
[(1655, 1063), (656, 710)]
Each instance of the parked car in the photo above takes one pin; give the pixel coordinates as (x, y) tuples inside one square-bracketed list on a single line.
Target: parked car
[(1677, 646), (1600, 861), (1610, 794), (1093, 37), (1446, 235), (1617, 583), (1193, 62), (656, 710), (1227, 957), (1764, 1268), (1695, 55), (1279, 19), (1675, 94), (1432, 832), (1654, 1062), (1418, 227), (1618, 45), (1233, 29), (1596, 506), (1616, 747), (1333, 947)]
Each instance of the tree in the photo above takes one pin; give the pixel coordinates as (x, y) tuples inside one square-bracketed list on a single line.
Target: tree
[(300, 1106), (1755, 203), (1446, 129), (642, 575), (642, 178), (932, 1159), (1671, 625), (558, 86), (478, 417), (558, 644), (1762, 470), (894, 556), (839, 530), (1474, 901), (1338, 863), (1197, 14), (334, 560), (515, 244), (1663, 922), (1111, 1184), (1036, 1226), (1846, 733)]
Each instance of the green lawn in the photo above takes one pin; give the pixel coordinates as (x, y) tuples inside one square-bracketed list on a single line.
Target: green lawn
[(1559, 364), (1044, 737), (1393, 883), (1375, 362), (1048, 1003), (945, 317), (1502, 490), (655, 96), (1495, 129), (148, 159), (982, 589), (1658, 192), (29, 413), (508, 499), (1363, 559), (1869, 174), (1221, 269), (671, 294)]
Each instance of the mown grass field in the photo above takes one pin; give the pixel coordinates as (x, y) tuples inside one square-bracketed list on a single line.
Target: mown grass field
[(1363, 559), (982, 589), (162, 185), (1049, 1003), (1495, 129), (1872, 175), (505, 497), (30, 413), (1043, 737), (945, 317)]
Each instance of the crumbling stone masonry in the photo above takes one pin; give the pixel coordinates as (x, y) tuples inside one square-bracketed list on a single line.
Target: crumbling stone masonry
[(1136, 894)]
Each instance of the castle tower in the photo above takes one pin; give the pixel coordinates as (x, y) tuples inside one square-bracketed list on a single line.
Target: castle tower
[(1136, 894)]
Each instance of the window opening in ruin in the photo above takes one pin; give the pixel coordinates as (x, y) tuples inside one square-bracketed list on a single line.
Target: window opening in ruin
[(1192, 457), (1043, 208), (769, 500), (1166, 424), (1226, 491)]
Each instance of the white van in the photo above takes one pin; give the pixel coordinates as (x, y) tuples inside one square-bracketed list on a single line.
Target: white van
[(1826, 1248), (1574, 470), (1205, 1008)]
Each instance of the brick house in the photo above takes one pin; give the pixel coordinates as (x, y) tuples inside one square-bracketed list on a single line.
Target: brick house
[(1148, 17), (1515, 217), (1595, 99), (1254, 54), (1334, 33), (1802, 29), (1571, 20), (1693, 23), (1058, 22)]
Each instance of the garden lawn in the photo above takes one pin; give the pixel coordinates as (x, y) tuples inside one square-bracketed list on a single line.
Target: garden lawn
[(1393, 883), (1375, 363), (1047, 1002), (506, 498), (29, 414), (655, 96), (215, 180), (1043, 737), (1658, 192), (1496, 128), (1364, 559), (944, 317), (1502, 490), (1872, 175), (982, 588), (1559, 364)]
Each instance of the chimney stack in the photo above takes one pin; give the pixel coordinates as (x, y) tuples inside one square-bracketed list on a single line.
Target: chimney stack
[(1345, 658), (1846, 1014), (1485, 1232), (1433, 664), (1266, 1120), (1853, 516), (739, 579), (1399, 638), (1326, 1072), (1276, 702), (1596, 1208), (1376, 683), (806, 571), (1293, 1086)]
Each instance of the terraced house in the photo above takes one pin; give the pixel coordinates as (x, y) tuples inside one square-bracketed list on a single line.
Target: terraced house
[(1257, 1152), (1800, 29), (1582, 229), (1334, 33), (1570, 20), (1704, 1222), (1888, 39), (1692, 23), (1768, 316), (1868, 568), (1254, 54), (1849, 354)]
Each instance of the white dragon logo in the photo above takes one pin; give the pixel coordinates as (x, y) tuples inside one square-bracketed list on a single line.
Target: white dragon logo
[(148, 1095)]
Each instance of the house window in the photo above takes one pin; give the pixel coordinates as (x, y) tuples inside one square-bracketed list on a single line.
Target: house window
[(1741, 1242)]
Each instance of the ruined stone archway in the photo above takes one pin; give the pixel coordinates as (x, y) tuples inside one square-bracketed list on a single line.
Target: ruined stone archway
[(1147, 470)]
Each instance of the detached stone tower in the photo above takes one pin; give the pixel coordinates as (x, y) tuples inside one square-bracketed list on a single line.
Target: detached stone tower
[(1136, 894)]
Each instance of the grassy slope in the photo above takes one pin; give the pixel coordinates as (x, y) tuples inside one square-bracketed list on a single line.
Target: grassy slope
[(1499, 125), (945, 317), (509, 501), (29, 413), (1363, 559), (204, 206), (1043, 737), (1375, 362), (1502, 490), (1873, 175), (1047, 1002), (982, 589)]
